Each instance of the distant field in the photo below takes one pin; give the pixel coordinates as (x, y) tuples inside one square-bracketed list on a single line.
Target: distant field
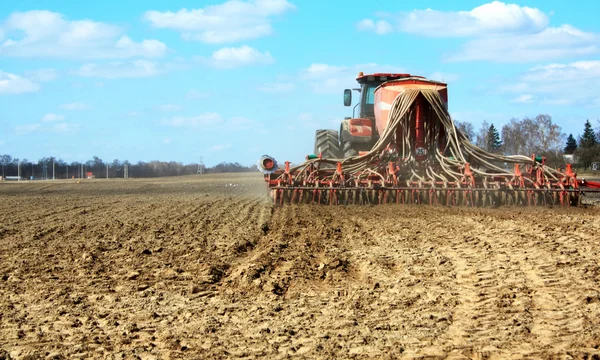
[(205, 267), (589, 175)]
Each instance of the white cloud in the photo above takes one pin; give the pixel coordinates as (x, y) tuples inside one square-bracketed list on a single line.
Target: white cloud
[(73, 106), (232, 57), (169, 107), (166, 141), (52, 117), (219, 147), (194, 95), (231, 21), (550, 43), (116, 70), (27, 128), (324, 78), (43, 33), (492, 18), (276, 87), (43, 75), (14, 84), (524, 99), (380, 27), (560, 84), (495, 31), (576, 71)]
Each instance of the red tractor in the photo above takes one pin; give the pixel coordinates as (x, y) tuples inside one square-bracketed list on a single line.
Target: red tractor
[(361, 131), (402, 146)]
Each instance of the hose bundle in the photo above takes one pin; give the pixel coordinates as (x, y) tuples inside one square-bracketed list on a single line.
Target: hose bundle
[(461, 149)]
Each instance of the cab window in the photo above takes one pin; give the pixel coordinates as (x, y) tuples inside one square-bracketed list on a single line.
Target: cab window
[(370, 97), (368, 100)]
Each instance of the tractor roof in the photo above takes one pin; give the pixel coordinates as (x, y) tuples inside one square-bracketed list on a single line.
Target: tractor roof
[(383, 77)]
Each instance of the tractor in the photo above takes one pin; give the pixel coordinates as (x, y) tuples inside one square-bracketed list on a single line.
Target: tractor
[(358, 134), (402, 146)]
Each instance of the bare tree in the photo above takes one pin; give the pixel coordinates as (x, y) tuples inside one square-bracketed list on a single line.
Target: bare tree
[(482, 136), (466, 128), (539, 135), (513, 137), (550, 136)]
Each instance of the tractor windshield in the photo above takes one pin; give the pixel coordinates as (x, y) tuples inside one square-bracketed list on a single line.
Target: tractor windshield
[(370, 97), (368, 100)]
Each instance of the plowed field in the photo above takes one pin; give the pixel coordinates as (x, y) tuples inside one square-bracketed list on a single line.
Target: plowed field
[(205, 267)]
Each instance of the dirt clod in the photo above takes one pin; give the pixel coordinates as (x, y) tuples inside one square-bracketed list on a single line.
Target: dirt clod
[(4, 355), (132, 275)]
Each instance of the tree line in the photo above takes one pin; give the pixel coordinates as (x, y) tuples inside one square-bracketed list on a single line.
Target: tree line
[(51, 167), (538, 135)]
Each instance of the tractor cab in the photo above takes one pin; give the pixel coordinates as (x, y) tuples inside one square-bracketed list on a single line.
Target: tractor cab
[(368, 83), (359, 132)]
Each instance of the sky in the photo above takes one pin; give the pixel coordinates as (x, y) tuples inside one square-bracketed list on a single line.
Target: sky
[(233, 80)]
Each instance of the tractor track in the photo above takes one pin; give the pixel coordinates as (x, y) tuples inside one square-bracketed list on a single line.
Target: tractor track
[(487, 286), (558, 319), (208, 268)]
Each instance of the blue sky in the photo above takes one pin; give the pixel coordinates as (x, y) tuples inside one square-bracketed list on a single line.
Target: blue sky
[(232, 80)]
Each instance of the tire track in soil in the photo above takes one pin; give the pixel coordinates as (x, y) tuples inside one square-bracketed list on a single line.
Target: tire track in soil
[(177, 213), (217, 222), (252, 262), (300, 247), (558, 315), (534, 288), (251, 223), (558, 320), (487, 288), (476, 298)]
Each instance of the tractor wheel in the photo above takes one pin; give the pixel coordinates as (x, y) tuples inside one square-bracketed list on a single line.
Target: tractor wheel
[(326, 143), (348, 150)]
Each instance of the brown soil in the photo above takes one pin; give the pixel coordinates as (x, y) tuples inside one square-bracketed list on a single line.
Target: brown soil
[(205, 267)]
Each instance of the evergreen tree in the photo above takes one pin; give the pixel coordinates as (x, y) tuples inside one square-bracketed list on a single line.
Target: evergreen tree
[(571, 145), (588, 139), (493, 139), (589, 148)]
